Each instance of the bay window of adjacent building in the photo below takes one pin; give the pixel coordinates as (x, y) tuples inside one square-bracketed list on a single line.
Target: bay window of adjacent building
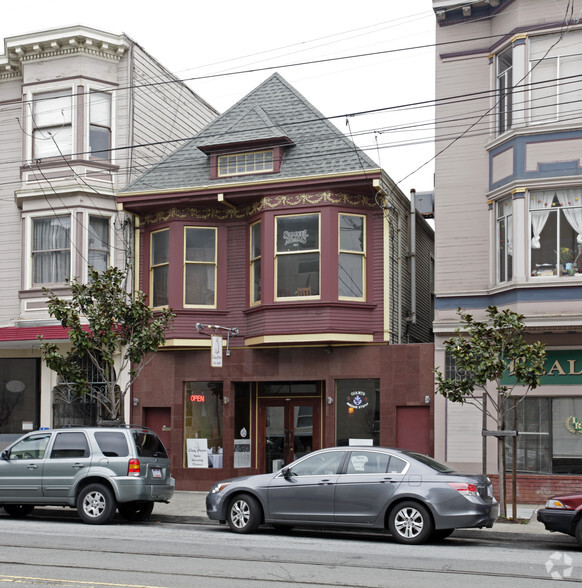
[(98, 256), (504, 240), (200, 266), (504, 90), (352, 256), (51, 250), (255, 266), (52, 130), (100, 124), (556, 232), (159, 267), (297, 255), (555, 77)]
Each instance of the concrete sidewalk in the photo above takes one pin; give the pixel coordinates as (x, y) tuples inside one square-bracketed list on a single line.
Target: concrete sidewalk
[(190, 508)]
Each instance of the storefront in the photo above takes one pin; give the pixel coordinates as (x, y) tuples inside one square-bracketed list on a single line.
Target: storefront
[(219, 428)]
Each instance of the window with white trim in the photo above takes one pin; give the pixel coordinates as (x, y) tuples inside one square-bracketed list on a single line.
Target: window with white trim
[(100, 124), (297, 255), (51, 250), (98, 252), (252, 162), (504, 240), (159, 267), (556, 232), (555, 77), (352, 256), (52, 130), (504, 89), (200, 266)]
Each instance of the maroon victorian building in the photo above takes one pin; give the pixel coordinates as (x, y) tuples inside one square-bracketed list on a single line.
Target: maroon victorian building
[(301, 281)]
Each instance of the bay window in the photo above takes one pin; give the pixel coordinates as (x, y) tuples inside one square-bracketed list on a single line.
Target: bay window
[(100, 124), (504, 90), (159, 267), (51, 250), (504, 240), (555, 77), (52, 132), (297, 255), (200, 266), (98, 243), (351, 268), (255, 269), (556, 232)]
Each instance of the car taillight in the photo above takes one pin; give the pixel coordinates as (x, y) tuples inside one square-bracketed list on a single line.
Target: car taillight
[(465, 489), (133, 467)]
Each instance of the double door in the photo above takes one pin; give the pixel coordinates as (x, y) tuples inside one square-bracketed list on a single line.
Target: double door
[(289, 428)]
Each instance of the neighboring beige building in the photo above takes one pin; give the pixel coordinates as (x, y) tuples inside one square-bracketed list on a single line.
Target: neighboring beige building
[(83, 112), (508, 193)]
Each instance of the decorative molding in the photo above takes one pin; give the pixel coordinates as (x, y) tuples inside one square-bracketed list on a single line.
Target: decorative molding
[(266, 203)]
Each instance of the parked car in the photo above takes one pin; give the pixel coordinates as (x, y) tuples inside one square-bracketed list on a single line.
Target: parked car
[(563, 514), (411, 495), (95, 469)]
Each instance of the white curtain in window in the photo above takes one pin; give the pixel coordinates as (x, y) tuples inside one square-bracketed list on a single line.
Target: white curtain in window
[(572, 209), (540, 206)]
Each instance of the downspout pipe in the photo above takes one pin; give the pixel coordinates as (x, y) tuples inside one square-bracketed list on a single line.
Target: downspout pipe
[(412, 252)]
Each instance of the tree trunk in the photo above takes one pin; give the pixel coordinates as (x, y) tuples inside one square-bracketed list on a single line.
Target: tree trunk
[(501, 456)]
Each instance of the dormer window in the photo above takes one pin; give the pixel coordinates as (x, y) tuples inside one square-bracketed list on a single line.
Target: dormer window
[(252, 162)]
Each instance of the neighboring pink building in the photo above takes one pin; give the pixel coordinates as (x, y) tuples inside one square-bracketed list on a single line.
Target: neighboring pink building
[(508, 199)]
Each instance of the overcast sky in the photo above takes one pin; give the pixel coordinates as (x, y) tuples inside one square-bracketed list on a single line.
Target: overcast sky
[(194, 39)]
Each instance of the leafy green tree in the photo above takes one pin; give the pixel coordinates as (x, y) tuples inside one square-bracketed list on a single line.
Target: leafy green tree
[(104, 319), (483, 351)]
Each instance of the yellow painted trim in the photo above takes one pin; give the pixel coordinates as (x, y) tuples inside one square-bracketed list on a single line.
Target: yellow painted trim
[(386, 261), (201, 343), (518, 38), (519, 191), (219, 187), (311, 338), (136, 255)]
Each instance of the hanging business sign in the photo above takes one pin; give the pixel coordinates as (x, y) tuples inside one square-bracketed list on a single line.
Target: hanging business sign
[(216, 351)]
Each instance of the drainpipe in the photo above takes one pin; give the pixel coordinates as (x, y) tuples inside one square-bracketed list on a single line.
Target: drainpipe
[(412, 250)]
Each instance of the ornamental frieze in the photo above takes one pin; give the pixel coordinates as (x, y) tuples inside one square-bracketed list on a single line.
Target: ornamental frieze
[(266, 203)]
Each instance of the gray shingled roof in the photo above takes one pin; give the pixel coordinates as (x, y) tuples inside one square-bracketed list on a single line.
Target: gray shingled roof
[(274, 110)]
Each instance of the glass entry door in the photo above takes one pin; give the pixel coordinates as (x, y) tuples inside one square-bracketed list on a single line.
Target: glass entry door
[(290, 428)]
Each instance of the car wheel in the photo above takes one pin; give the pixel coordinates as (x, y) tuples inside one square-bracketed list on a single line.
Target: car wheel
[(410, 522), (18, 511), (578, 532), (244, 514), (441, 534), (137, 511), (96, 504)]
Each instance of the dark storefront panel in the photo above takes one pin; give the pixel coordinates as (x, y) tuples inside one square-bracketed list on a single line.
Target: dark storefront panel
[(358, 411)]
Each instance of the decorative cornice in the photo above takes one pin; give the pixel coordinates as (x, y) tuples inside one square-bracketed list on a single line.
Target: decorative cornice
[(266, 203), (59, 43)]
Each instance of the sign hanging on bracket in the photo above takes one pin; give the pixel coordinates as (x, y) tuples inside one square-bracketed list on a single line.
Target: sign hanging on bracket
[(216, 346)]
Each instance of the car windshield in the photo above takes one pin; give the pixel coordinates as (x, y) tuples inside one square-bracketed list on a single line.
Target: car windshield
[(431, 463)]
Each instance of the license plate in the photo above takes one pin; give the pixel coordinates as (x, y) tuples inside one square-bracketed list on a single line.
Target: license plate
[(156, 472)]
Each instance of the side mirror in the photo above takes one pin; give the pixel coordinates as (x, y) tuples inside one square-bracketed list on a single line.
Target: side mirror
[(5, 455), (286, 473)]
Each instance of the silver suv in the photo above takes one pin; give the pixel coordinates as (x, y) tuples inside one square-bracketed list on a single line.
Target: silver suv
[(95, 469)]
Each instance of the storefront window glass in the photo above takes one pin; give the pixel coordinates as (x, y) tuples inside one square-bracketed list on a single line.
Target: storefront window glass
[(203, 424), (358, 411), (18, 398), (242, 426)]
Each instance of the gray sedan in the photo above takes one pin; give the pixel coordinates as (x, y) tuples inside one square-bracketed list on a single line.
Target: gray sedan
[(411, 495)]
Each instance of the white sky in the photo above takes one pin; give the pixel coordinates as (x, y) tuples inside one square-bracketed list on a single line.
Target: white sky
[(193, 38)]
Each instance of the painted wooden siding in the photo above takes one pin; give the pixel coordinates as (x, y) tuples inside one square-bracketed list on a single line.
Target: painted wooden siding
[(160, 112)]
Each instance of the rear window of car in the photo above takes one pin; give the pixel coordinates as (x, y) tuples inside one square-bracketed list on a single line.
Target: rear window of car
[(431, 463), (148, 444), (112, 443)]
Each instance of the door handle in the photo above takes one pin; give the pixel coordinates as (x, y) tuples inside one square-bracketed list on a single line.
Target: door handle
[(324, 482), (387, 480), (78, 466), (32, 466)]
